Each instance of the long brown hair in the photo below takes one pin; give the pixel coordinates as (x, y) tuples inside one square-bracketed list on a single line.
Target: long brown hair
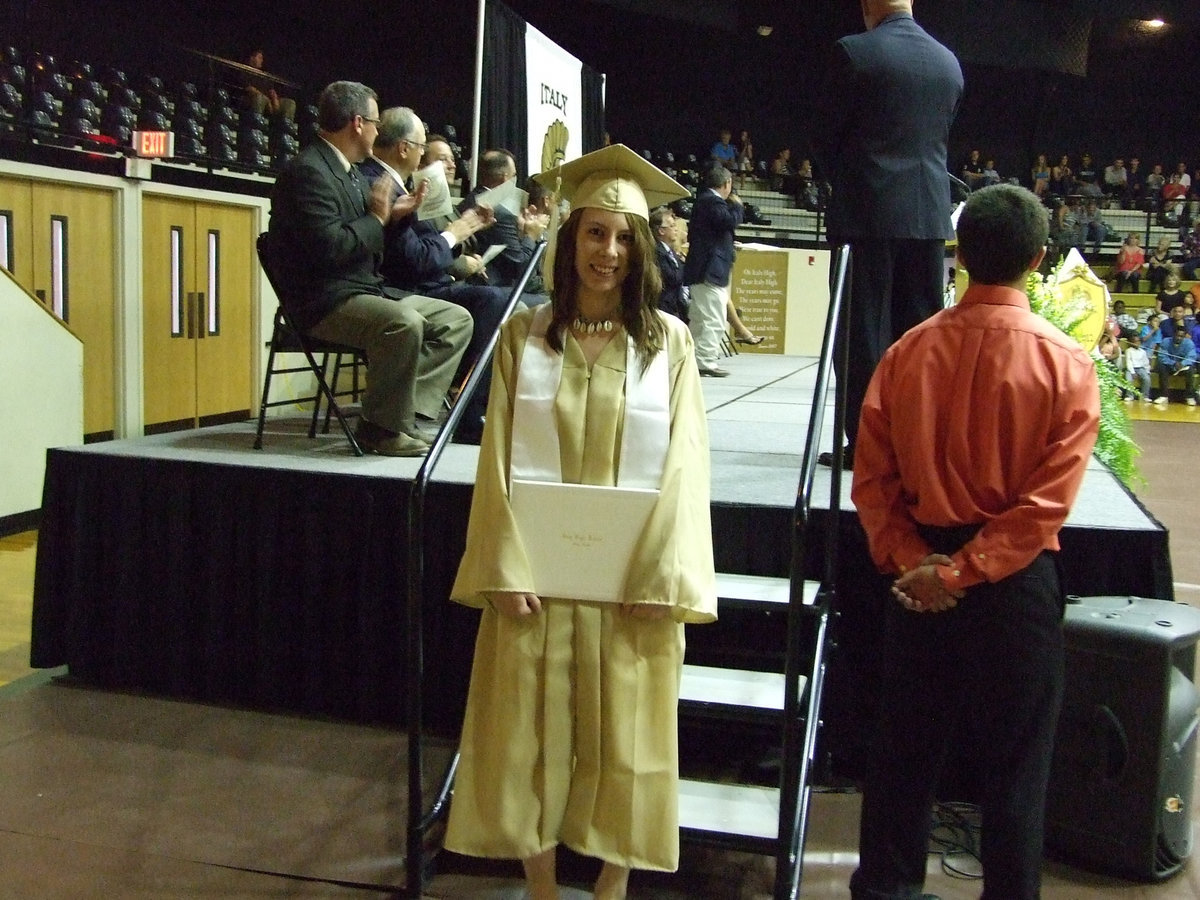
[(639, 291)]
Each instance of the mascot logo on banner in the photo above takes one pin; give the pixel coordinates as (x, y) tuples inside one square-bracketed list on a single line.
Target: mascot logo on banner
[(554, 145)]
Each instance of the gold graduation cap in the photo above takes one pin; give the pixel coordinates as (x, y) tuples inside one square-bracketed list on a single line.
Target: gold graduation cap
[(613, 178)]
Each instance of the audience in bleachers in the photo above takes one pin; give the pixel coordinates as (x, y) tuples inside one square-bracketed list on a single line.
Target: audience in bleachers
[(1158, 264), (1062, 177), (1131, 259), (1151, 333), (1040, 176), (1180, 318), (1137, 369), (1116, 179), (1170, 296), (1135, 184), (723, 150), (744, 162), (1093, 229), (1126, 325), (1176, 356), (1191, 253)]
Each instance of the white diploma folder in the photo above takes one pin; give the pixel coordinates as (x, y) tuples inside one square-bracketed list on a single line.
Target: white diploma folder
[(580, 537), (437, 198)]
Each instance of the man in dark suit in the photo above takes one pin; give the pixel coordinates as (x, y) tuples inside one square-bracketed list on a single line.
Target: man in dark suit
[(326, 244), (715, 214), (517, 234), (670, 266), (418, 256), (891, 96)]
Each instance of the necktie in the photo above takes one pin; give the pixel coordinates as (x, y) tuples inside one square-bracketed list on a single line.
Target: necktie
[(359, 193)]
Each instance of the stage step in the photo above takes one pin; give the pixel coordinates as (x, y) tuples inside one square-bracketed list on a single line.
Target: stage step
[(759, 591), (733, 693), (741, 816)]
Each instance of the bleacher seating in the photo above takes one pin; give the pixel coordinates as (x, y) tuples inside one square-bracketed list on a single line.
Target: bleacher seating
[(42, 102)]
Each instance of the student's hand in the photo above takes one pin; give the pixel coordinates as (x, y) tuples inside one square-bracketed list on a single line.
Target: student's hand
[(514, 604), (645, 610)]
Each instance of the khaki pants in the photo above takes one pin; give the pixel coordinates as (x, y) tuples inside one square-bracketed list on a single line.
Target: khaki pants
[(413, 346)]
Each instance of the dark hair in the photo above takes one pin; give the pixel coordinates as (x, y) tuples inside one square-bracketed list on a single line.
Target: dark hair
[(537, 192), (657, 215), (494, 164), (639, 291), (1000, 231), (341, 101)]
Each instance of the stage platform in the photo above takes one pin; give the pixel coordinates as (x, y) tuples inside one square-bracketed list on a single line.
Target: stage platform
[(191, 565)]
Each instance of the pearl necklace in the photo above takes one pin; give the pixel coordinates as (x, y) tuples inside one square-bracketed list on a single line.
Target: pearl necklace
[(587, 326)]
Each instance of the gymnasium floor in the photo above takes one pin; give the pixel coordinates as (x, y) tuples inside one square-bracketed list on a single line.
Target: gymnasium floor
[(120, 796)]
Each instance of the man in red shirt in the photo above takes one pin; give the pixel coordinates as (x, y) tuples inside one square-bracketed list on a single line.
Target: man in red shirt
[(973, 440)]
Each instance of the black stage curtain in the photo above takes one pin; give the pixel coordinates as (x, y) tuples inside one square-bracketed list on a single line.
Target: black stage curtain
[(246, 586), (502, 119), (593, 109)]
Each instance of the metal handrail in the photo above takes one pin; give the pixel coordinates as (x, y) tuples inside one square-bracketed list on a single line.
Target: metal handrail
[(799, 750), (420, 822)]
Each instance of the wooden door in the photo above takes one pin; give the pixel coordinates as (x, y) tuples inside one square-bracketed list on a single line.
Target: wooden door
[(74, 255), (16, 229), (224, 267), (168, 313), (197, 302)]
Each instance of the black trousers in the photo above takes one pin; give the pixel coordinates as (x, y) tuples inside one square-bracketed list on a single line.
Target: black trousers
[(894, 285), (989, 672)]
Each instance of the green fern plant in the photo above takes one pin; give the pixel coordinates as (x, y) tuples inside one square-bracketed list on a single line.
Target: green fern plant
[(1115, 446)]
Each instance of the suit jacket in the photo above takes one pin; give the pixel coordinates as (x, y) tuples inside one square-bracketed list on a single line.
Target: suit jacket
[(671, 269), (891, 96), (324, 246), (505, 269), (710, 239), (415, 255)]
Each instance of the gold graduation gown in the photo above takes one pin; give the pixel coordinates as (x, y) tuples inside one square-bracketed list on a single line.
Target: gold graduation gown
[(570, 733)]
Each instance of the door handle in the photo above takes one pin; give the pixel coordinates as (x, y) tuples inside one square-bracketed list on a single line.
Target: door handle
[(191, 315), (201, 316), (41, 295)]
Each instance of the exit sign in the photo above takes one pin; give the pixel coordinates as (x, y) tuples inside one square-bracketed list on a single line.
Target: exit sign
[(154, 144)]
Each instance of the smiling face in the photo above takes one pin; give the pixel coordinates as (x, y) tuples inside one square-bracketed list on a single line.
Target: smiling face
[(602, 250)]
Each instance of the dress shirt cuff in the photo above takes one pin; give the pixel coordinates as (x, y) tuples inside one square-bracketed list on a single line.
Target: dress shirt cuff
[(959, 575), (450, 239), (907, 554)]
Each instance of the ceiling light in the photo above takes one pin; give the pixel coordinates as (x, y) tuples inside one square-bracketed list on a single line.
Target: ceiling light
[(1155, 23), (765, 30)]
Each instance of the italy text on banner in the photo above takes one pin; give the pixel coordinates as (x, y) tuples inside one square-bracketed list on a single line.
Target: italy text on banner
[(555, 106)]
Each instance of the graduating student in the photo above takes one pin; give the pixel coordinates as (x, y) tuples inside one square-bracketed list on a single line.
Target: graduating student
[(570, 734)]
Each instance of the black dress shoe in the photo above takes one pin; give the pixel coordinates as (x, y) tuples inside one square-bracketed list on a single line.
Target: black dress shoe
[(826, 459)]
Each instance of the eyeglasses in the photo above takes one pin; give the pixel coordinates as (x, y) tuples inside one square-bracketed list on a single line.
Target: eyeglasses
[(369, 119), (420, 144)]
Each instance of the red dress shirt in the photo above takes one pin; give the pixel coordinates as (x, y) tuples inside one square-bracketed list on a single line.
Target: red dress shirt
[(983, 414)]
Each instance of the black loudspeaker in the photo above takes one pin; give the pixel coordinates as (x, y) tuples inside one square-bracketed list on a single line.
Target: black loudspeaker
[(1120, 793)]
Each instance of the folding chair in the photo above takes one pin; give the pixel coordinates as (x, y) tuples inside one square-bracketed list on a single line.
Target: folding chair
[(287, 339)]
